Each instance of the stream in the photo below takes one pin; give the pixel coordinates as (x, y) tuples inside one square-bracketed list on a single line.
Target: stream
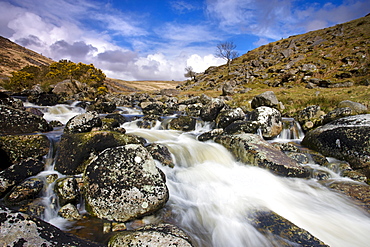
[(212, 195)]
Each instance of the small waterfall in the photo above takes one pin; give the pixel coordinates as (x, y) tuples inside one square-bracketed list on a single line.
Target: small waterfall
[(291, 130)]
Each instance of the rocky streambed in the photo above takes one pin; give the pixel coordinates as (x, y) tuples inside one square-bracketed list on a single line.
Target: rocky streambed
[(134, 170)]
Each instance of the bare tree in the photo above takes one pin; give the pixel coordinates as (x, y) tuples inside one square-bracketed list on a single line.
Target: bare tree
[(226, 50), (190, 72)]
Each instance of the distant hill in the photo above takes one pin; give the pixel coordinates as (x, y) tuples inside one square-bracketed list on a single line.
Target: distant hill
[(338, 56), (14, 57)]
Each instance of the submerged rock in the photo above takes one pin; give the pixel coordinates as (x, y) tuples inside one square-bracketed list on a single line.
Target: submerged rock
[(152, 235), (252, 149), (345, 139), (123, 183)]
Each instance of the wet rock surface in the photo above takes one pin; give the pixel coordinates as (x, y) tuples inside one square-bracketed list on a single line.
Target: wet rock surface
[(83, 123), (123, 183)]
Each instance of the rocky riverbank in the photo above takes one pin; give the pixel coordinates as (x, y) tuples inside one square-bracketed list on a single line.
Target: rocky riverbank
[(117, 176)]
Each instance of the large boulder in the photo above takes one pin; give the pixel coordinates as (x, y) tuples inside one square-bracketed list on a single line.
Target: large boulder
[(15, 121), (18, 172), (152, 235), (210, 111), (14, 148), (84, 122), (269, 121), (25, 191), (70, 87), (74, 150), (183, 123), (253, 150), (19, 229), (267, 98), (123, 183), (226, 117), (355, 106), (44, 99), (310, 117), (345, 139)]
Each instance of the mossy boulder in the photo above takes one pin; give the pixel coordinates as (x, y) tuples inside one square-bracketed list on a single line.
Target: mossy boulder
[(253, 150), (123, 183), (14, 148), (75, 149), (84, 122)]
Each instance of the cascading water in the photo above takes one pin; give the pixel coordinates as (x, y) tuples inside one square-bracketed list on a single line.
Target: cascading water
[(212, 196)]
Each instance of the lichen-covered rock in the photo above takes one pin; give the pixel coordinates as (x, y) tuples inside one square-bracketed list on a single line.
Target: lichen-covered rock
[(75, 149), (15, 121), (28, 189), (210, 135), (12, 102), (281, 231), (242, 126), (19, 229), (69, 212), (210, 111), (152, 235), (14, 148), (225, 118), (310, 117), (18, 172), (84, 122), (183, 123), (123, 183), (345, 139), (269, 121), (337, 113), (267, 98), (44, 99), (152, 108), (67, 190), (253, 150), (102, 107)]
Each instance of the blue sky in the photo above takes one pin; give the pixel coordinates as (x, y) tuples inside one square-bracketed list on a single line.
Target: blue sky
[(157, 39)]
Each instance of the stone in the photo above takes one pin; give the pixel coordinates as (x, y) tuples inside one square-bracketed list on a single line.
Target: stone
[(70, 87), (123, 183), (76, 149), (18, 172), (337, 113), (15, 121), (210, 111), (66, 190), (19, 229), (242, 126), (227, 89), (84, 122), (69, 212), (28, 189), (344, 139), (269, 121), (183, 123), (226, 117), (267, 98), (44, 99), (252, 149), (152, 108), (310, 117), (161, 153), (210, 135), (358, 108), (101, 107), (152, 235)]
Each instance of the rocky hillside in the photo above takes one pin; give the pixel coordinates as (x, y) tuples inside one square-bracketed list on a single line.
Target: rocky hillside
[(332, 57), (14, 57)]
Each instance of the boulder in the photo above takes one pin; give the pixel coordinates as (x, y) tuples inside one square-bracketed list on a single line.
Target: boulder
[(69, 212), (345, 139), (161, 153), (210, 135), (337, 113), (19, 229), (242, 126), (75, 149), (11, 102), (152, 235), (18, 172), (25, 191), (227, 89), (310, 117), (14, 148), (210, 111), (44, 99), (267, 98), (84, 122), (253, 150), (183, 123), (226, 117), (66, 190), (152, 108), (358, 108), (101, 107), (15, 121), (70, 87), (269, 121), (123, 183)]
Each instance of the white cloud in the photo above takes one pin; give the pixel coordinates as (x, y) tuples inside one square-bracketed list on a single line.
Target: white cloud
[(200, 64)]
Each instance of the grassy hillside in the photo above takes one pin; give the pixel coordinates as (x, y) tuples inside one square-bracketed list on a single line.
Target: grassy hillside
[(320, 67)]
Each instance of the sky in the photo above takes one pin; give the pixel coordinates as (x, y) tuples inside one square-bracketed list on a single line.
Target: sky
[(158, 39)]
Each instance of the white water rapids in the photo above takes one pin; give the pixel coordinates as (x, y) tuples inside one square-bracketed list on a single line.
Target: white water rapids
[(211, 196)]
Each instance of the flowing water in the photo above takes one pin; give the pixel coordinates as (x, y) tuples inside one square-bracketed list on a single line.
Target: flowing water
[(212, 196)]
